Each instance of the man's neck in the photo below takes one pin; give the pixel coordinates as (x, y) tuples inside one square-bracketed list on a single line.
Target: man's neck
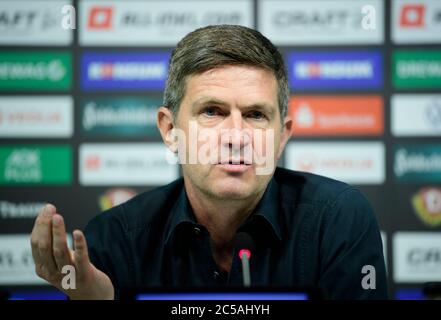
[(222, 218)]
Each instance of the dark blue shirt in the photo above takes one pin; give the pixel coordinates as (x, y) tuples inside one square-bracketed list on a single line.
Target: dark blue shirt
[(307, 230)]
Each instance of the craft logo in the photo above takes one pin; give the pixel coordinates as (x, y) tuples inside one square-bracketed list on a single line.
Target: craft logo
[(318, 70), (412, 16), (100, 18), (33, 23), (35, 165), (131, 71), (417, 257), (427, 257), (417, 163), (336, 115), (21, 210), (35, 70), (114, 197), (120, 116), (321, 22), (23, 20), (427, 205)]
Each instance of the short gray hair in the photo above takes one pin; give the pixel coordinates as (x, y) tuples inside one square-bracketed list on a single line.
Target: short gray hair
[(214, 46)]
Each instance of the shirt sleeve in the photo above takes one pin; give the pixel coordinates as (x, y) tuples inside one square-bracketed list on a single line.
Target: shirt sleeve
[(351, 252), (107, 248)]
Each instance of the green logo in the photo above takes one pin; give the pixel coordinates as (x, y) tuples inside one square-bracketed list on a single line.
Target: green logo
[(35, 164), (416, 69), (125, 116), (418, 163), (35, 70)]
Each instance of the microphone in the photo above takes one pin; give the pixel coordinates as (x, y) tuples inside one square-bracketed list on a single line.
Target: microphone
[(244, 246)]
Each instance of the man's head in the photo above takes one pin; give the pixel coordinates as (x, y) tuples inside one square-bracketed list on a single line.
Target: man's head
[(214, 46), (231, 82)]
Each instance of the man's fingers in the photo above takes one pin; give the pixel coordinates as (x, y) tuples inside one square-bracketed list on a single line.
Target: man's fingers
[(34, 245), (59, 243), (41, 240), (81, 254)]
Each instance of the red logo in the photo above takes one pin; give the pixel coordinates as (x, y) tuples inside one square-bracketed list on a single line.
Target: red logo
[(100, 18), (93, 162), (412, 16)]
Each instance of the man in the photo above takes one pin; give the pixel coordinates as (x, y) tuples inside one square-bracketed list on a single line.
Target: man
[(229, 82)]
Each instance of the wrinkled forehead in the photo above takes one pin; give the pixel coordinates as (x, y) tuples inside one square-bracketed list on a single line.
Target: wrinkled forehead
[(245, 83)]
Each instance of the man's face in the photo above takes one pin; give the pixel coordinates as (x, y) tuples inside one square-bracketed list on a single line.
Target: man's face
[(232, 104)]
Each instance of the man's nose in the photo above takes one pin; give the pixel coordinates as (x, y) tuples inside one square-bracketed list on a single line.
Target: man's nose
[(234, 134)]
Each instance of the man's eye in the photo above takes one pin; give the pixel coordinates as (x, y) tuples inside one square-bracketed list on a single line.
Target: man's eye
[(257, 115), (211, 111)]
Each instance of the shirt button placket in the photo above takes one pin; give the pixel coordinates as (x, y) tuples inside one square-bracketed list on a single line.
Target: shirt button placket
[(197, 231)]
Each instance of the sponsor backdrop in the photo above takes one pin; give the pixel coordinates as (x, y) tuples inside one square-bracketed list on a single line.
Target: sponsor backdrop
[(78, 108)]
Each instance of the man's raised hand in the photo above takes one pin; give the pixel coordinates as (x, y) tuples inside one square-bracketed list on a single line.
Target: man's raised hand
[(51, 253)]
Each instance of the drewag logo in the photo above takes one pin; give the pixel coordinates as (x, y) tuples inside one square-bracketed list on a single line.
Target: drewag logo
[(335, 70), (130, 71)]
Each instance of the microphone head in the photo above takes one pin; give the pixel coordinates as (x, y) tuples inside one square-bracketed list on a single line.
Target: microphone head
[(244, 244)]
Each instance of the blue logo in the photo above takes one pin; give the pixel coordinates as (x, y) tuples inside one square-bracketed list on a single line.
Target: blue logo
[(127, 71), (335, 70)]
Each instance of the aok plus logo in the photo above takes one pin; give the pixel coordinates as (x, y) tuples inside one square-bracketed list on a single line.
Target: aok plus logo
[(35, 164)]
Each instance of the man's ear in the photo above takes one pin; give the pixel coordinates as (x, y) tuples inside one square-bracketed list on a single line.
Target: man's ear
[(166, 125), (286, 134)]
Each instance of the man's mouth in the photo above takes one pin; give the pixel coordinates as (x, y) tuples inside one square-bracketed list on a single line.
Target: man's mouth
[(235, 165), (236, 161)]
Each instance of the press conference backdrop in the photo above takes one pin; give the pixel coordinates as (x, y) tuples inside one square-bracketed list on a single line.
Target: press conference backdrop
[(78, 108)]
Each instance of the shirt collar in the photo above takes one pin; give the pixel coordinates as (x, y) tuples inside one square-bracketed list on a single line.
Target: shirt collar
[(267, 210), (181, 214)]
